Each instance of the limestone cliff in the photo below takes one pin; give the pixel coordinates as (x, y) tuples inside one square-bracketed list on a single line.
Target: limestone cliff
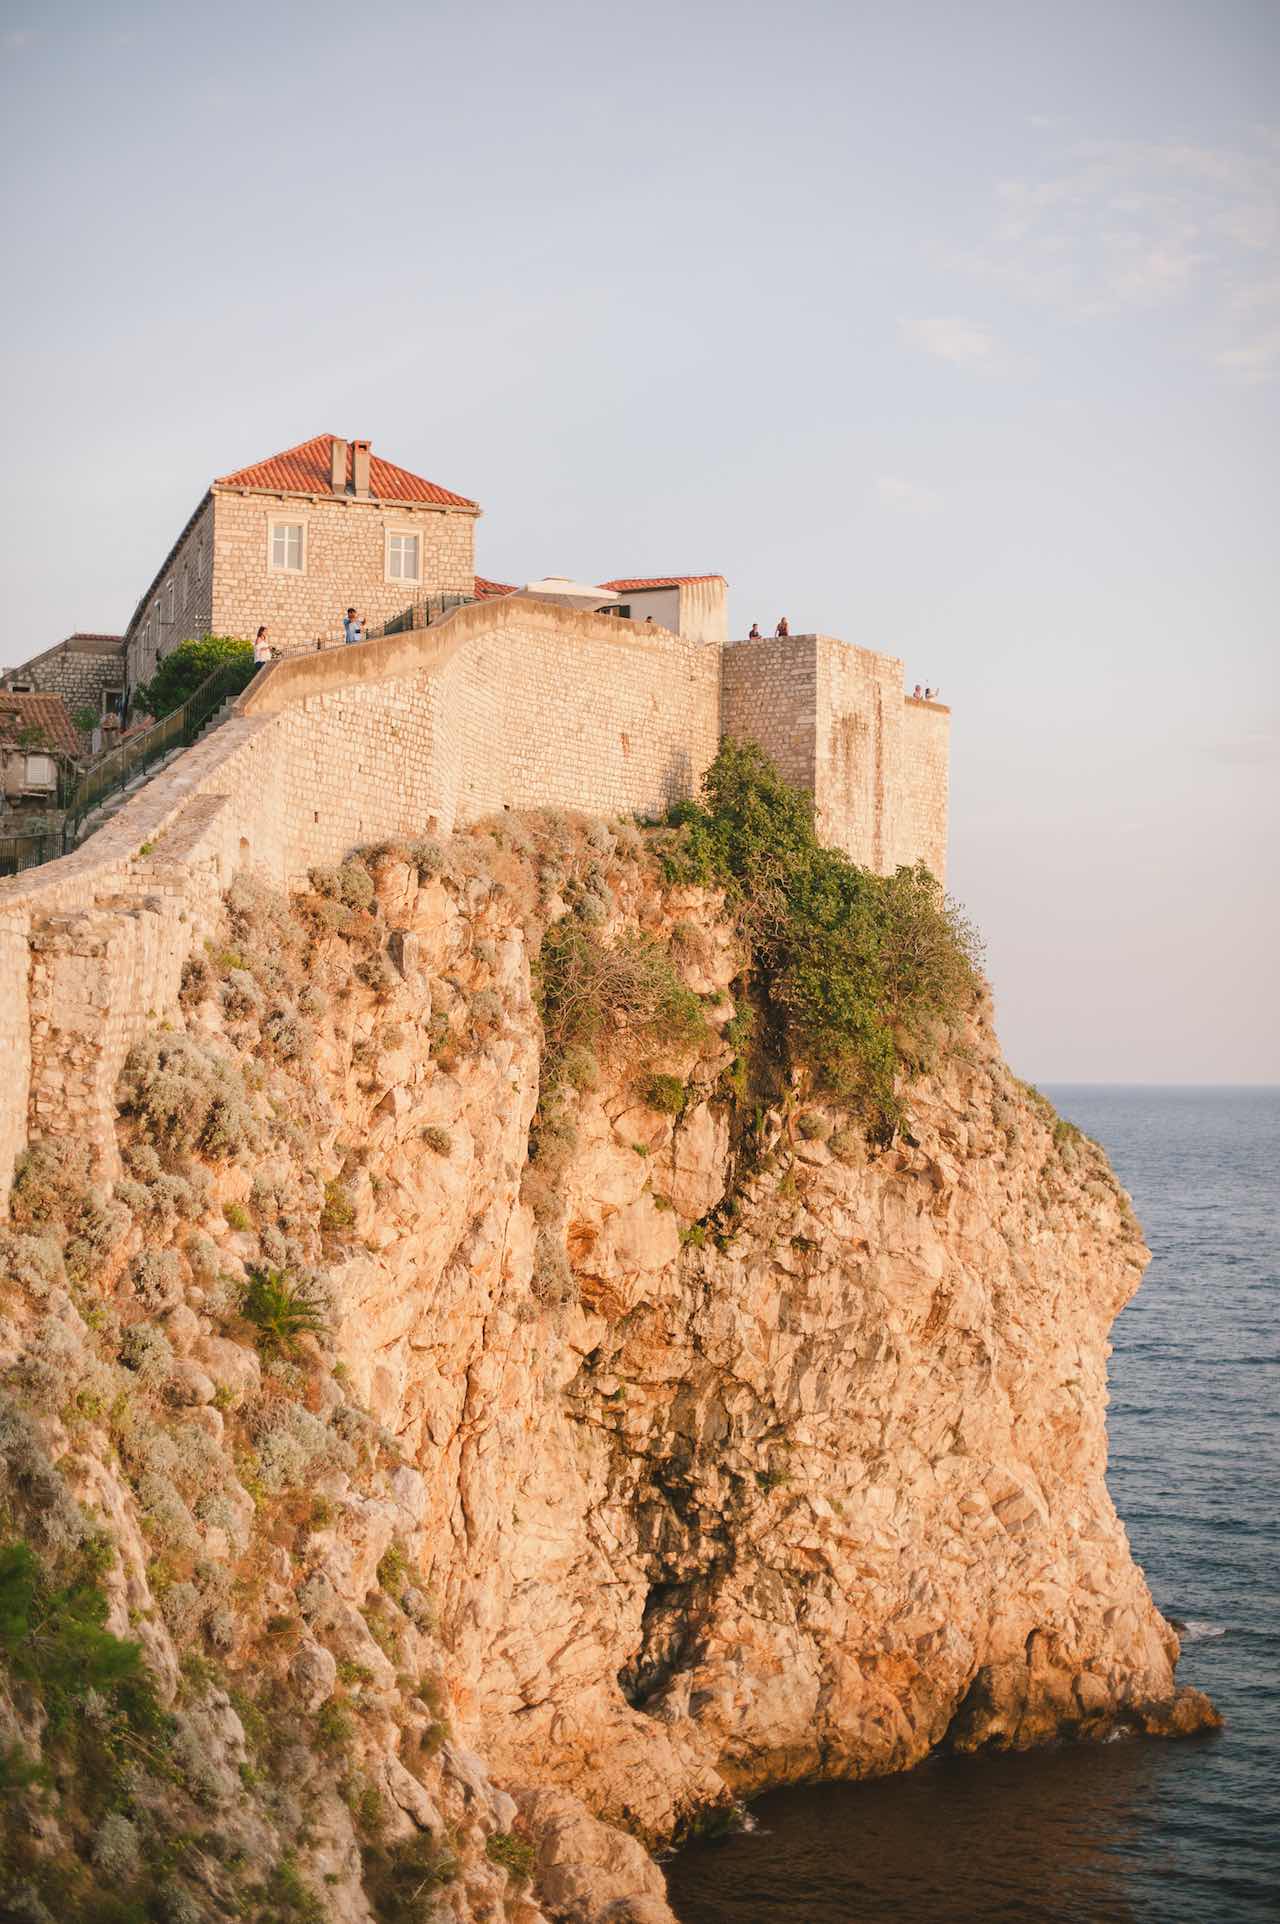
[(473, 1512)]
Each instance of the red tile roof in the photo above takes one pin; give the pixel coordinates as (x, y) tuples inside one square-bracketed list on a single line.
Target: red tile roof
[(634, 585), (45, 715), (306, 469), (490, 590)]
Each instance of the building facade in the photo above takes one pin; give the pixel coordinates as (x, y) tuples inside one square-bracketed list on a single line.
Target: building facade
[(696, 606), (86, 671), (40, 750), (293, 541)]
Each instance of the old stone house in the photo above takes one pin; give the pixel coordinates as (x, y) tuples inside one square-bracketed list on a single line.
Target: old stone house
[(39, 748), (86, 671), (292, 541)]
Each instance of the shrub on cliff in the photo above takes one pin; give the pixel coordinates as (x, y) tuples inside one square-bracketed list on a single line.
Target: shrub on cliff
[(184, 1096), (52, 1637), (48, 1181), (283, 1310), (350, 884), (855, 969), (190, 663), (590, 990)]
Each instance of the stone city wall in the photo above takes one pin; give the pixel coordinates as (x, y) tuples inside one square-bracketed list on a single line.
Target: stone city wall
[(926, 784), (503, 704), (514, 704), (858, 727), (835, 720), (768, 694)]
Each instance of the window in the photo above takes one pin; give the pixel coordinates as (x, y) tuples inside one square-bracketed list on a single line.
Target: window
[(402, 557), (42, 771), (288, 546), (170, 596), (112, 700), (20, 688)]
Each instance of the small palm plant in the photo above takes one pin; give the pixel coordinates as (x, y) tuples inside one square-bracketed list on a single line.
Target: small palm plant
[(283, 1310)]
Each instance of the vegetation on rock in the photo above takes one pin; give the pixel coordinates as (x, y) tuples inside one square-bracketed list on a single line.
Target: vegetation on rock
[(857, 973), (282, 1310), (190, 663)]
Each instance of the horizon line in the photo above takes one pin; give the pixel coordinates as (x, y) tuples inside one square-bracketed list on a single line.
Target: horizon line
[(1096, 1082)]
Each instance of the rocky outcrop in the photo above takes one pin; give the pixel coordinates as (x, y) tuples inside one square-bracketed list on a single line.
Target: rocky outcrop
[(715, 1448)]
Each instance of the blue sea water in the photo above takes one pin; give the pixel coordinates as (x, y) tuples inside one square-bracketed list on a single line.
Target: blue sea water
[(1141, 1831)]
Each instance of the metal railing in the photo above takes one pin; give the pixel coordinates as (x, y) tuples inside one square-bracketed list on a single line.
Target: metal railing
[(28, 851), (420, 614), (121, 766)]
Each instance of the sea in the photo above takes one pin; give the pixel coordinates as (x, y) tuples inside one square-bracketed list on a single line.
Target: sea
[(1138, 1831)]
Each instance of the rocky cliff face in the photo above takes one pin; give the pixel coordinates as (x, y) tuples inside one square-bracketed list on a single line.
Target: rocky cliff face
[(474, 1512)]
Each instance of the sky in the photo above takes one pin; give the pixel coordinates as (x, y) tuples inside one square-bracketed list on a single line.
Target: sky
[(950, 330)]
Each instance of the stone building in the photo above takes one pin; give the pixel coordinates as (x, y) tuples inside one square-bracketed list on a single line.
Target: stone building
[(294, 540), (39, 748), (693, 605), (86, 671)]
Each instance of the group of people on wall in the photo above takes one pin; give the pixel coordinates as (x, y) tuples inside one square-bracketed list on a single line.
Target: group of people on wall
[(354, 629)]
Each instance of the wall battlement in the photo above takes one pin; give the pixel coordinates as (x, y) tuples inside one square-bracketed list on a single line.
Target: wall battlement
[(506, 704)]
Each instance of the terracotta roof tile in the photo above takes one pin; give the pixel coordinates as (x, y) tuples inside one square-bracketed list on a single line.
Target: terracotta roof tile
[(634, 584), (306, 470), (44, 713), (490, 590)]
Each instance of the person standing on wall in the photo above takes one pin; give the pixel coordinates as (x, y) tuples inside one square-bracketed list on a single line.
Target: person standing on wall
[(783, 628), (352, 627), (261, 648)]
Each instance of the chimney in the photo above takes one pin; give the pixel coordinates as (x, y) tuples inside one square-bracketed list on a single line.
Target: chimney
[(338, 467), (360, 468)]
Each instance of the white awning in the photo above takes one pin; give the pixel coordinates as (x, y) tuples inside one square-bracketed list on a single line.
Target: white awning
[(570, 594)]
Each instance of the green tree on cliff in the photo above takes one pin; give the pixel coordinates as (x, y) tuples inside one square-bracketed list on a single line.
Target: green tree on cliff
[(856, 974)]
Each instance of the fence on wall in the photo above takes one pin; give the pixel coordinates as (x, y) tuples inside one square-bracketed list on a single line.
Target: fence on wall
[(28, 851), (421, 614)]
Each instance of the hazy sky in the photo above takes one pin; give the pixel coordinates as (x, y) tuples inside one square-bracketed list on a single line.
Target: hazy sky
[(952, 330)]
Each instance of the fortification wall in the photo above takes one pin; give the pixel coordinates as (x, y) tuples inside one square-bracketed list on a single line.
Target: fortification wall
[(921, 819), (769, 695), (514, 704), (504, 704), (858, 759), (835, 720)]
